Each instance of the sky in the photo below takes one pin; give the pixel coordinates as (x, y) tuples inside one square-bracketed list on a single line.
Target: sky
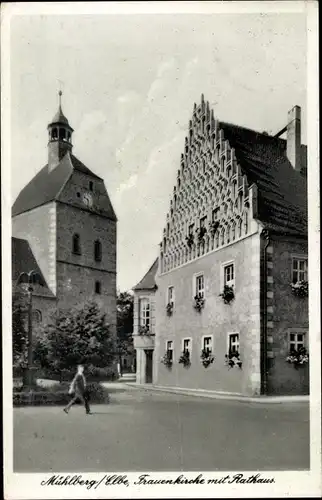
[(129, 83)]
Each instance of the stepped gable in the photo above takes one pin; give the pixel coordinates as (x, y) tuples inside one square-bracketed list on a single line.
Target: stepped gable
[(48, 183), (229, 176), (148, 281), (23, 260)]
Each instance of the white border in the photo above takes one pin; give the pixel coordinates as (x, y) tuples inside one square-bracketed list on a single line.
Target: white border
[(287, 483), (194, 288), (212, 342), (222, 273), (182, 345)]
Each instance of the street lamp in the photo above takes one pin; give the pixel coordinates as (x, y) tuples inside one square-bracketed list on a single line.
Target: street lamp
[(29, 279)]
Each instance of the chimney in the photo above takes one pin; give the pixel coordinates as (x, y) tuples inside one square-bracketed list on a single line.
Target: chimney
[(293, 136)]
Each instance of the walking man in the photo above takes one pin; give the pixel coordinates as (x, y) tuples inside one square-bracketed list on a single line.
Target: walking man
[(78, 390)]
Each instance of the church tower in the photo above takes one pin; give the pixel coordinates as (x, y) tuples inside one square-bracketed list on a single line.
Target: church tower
[(60, 137), (66, 216)]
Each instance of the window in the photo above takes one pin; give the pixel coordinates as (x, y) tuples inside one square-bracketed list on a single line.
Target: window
[(54, 133), (190, 229), (170, 295), (62, 134), (186, 345), (296, 341), (36, 317), (78, 194), (203, 221), (199, 286), (299, 270), (215, 214), (98, 287), (207, 344), (98, 251), (229, 275), (91, 185), (233, 342), (145, 312), (76, 244), (169, 349)]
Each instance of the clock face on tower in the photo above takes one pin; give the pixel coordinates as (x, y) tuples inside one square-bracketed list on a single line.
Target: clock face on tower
[(88, 200)]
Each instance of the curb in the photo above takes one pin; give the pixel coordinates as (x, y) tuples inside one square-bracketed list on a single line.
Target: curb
[(225, 396)]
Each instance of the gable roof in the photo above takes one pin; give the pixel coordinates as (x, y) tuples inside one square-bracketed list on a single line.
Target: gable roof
[(46, 185), (148, 281), (24, 261), (282, 191)]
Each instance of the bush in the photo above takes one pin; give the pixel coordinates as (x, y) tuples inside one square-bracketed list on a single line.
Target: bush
[(57, 395)]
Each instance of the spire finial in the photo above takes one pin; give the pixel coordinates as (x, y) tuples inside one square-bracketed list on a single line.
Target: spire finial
[(59, 96)]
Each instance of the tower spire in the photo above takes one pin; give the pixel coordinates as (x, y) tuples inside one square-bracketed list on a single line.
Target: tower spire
[(59, 97)]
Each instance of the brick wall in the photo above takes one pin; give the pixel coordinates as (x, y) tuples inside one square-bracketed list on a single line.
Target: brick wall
[(77, 274), (286, 312), (216, 318)]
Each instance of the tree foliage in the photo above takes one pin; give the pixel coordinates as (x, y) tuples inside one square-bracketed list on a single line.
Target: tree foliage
[(79, 335), (19, 333), (125, 323)]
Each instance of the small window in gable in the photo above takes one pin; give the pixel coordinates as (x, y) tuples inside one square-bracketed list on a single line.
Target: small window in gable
[(207, 344), (98, 288), (233, 343), (91, 185)]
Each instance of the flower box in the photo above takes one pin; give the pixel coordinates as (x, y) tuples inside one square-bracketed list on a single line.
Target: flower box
[(228, 294), (185, 358), (167, 359), (144, 330), (300, 288), (199, 303), (169, 308), (206, 358), (233, 359), (298, 358)]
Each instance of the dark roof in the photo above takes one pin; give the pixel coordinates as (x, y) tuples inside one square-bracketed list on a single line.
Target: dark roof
[(46, 185), (60, 117), (282, 191), (23, 261), (148, 281)]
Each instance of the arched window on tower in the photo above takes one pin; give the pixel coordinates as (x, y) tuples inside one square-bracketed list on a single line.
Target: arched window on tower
[(76, 244), (62, 134), (98, 251), (69, 137), (54, 133)]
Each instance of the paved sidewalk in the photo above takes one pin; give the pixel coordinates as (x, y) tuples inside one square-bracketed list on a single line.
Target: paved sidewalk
[(222, 395)]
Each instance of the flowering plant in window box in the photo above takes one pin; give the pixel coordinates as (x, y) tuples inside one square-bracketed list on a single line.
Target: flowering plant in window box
[(201, 232), (144, 330), (169, 308), (190, 240), (300, 288), (213, 227), (233, 359), (227, 294), (167, 359), (299, 357), (199, 302), (206, 357), (185, 358)]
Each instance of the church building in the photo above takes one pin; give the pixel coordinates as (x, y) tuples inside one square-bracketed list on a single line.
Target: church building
[(224, 308), (64, 228)]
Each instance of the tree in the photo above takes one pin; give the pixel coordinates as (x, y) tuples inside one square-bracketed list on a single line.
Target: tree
[(125, 307), (19, 334), (75, 336)]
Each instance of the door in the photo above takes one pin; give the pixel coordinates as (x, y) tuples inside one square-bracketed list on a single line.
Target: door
[(148, 366)]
